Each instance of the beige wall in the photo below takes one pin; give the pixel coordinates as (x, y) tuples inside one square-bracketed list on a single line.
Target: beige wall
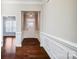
[(59, 19)]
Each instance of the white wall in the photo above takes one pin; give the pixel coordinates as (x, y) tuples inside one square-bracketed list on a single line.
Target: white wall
[(58, 29), (59, 19), (14, 9)]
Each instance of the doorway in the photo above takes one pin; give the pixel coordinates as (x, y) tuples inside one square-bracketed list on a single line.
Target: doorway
[(9, 34), (30, 24)]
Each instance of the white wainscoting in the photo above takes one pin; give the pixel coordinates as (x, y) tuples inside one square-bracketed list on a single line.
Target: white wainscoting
[(58, 48), (18, 39), (1, 42)]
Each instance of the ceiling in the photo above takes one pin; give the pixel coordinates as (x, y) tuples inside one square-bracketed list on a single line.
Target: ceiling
[(24, 1)]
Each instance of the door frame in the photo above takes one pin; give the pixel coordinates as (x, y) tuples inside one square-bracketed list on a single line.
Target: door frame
[(22, 18)]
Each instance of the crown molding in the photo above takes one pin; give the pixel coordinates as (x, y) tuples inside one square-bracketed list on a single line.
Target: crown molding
[(21, 2)]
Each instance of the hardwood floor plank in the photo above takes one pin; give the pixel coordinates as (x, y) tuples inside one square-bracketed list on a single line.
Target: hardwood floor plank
[(30, 50)]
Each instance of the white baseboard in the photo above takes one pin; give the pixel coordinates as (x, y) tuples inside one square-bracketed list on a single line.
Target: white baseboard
[(58, 48)]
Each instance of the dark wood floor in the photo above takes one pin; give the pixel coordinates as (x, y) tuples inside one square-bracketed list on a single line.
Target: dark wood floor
[(30, 50)]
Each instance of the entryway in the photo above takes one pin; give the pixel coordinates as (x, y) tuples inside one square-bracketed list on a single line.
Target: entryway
[(30, 24)]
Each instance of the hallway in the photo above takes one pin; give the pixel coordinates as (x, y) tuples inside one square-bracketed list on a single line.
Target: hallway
[(44, 29), (30, 50)]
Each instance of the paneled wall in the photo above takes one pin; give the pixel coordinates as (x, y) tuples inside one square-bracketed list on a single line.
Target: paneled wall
[(57, 48)]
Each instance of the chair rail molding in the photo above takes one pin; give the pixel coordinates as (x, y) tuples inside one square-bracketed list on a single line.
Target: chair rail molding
[(57, 48)]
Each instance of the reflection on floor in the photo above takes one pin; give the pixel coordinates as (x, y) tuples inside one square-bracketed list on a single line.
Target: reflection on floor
[(8, 49), (30, 50)]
